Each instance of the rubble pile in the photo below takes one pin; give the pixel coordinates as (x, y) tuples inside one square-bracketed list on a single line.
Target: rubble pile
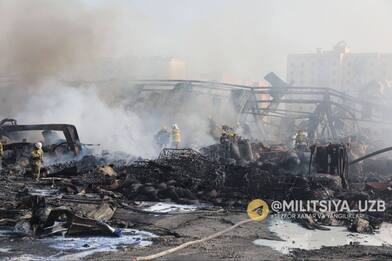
[(53, 204)]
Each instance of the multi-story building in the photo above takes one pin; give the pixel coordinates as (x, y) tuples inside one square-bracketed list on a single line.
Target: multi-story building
[(338, 68)]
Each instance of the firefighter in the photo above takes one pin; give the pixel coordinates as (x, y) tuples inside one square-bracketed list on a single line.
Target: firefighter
[(37, 155), (229, 134), (301, 141), (162, 138), (229, 140), (176, 136)]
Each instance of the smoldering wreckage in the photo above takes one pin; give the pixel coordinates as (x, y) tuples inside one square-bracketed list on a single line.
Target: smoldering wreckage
[(81, 194)]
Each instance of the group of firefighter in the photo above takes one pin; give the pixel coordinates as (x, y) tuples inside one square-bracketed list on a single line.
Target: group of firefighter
[(165, 138), (36, 158), (171, 138), (168, 138)]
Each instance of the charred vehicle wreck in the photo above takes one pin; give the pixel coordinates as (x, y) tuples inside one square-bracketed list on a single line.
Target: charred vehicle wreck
[(60, 142)]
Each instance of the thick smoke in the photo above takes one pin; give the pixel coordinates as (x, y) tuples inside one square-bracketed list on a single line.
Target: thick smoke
[(45, 42), (112, 128), (45, 38)]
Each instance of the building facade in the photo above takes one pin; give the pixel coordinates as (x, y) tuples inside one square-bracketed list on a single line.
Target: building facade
[(338, 68)]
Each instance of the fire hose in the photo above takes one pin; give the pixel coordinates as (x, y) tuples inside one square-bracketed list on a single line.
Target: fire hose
[(371, 155), (194, 242)]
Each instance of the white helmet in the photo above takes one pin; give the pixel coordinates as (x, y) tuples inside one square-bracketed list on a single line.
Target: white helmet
[(38, 145), (175, 126)]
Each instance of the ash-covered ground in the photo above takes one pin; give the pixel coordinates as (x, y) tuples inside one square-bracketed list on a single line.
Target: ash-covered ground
[(99, 208)]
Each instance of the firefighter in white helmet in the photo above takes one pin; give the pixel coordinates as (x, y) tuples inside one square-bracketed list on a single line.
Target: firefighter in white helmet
[(176, 136), (37, 158)]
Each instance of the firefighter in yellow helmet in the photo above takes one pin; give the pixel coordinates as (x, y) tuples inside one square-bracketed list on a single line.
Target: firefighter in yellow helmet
[(176, 136), (229, 134), (301, 141), (37, 155)]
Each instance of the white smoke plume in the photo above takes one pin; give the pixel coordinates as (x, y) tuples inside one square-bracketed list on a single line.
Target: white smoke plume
[(113, 128), (44, 40)]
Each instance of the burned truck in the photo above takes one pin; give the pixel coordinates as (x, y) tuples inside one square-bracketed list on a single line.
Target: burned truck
[(60, 141)]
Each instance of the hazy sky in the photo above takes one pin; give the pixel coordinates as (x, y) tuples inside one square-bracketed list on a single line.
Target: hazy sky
[(244, 38), (253, 37)]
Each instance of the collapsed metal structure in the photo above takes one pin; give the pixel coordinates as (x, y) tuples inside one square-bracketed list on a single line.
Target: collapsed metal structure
[(324, 113)]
